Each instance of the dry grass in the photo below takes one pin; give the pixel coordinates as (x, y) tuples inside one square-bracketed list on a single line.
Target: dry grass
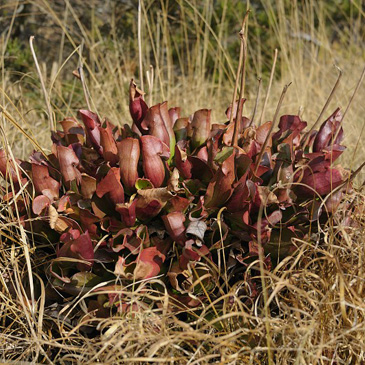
[(316, 297), (317, 313)]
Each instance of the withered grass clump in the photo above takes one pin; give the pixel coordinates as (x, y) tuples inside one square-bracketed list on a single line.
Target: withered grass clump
[(315, 296)]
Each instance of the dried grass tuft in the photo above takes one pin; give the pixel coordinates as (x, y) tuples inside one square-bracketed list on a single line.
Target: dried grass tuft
[(315, 300)]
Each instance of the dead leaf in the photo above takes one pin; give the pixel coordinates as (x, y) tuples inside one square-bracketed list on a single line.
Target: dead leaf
[(197, 228)]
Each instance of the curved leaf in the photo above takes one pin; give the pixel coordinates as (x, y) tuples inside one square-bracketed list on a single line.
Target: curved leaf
[(153, 150), (154, 125), (40, 203), (129, 152), (151, 201), (128, 212), (149, 263), (42, 181), (174, 223), (200, 126), (109, 147), (7, 168), (68, 164), (220, 189), (92, 124), (322, 182), (328, 131), (112, 186), (78, 246), (174, 114), (137, 106), (88, 186)]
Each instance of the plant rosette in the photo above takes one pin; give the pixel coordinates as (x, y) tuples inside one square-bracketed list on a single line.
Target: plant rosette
[(170, 198)]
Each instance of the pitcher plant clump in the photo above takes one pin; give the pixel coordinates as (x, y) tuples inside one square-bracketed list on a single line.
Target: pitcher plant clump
[(173, 198)]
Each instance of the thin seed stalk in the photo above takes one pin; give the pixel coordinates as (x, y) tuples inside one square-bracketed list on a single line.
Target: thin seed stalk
[(241, 70), (240, 99), (140, 45), (46, 96), (238, 69), (306, 140)]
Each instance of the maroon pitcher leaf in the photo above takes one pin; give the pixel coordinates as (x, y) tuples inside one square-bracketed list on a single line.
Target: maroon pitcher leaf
[(333, 201), (149, 263), (174, 114), (146, 210), (92, 124), (68, 164), (174, 223), (220, 189), (182, 163), (89, 222), (328, 131), (43, 181), (178, 204), (78, 246), (154, 125), (7, 168), (127, 212), (192, 167), (239, 199), (262, 133), (157, 123), (289, 124), (322, 183), (153, 150), (40, 203), (137, 106), (151, 201), (192, 253), (200, 126), (112, 186), (109, 147), (165, 115), (129, 152), (88, 186), (73, 131), (70, 125), (125, 238), (181, 128)]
